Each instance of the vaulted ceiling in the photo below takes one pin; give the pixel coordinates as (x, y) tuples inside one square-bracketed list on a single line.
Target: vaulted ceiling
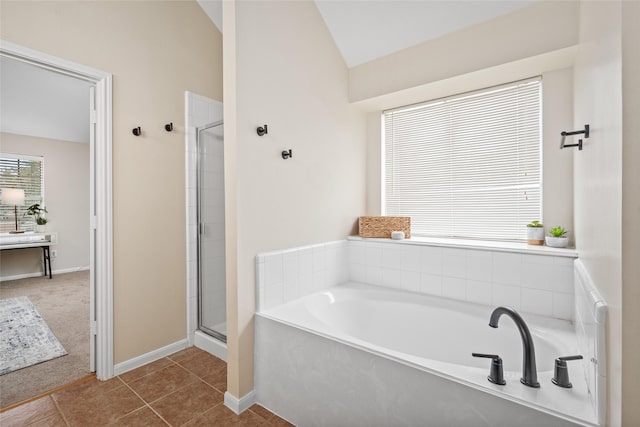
[(42, 103), (364, 30)]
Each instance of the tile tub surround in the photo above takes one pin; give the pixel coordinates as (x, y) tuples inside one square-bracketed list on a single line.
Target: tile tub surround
[(590, 327), (537, 281), (282, 276), (489, 276)]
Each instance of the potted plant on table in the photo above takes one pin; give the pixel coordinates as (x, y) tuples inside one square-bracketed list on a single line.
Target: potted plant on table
[(557, 238), (38, 212), (535, 233)]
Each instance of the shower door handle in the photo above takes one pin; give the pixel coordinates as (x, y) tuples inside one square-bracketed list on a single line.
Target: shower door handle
[(201, 228)]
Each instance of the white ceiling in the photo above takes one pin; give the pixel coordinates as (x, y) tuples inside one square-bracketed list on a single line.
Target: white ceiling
[(365, 30), (42, 103)]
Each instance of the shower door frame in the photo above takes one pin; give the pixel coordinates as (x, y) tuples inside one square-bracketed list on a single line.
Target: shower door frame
[(215, 334)]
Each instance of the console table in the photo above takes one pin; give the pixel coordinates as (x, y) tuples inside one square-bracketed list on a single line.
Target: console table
[(30, 240)]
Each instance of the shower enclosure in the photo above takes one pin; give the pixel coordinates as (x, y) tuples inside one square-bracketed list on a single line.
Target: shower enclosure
[(212, 313)]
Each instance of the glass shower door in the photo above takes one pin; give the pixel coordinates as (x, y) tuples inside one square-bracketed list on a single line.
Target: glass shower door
[(212, 313)]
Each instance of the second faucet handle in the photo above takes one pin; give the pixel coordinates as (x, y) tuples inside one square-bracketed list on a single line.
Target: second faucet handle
[(561, 373), (496, 374)]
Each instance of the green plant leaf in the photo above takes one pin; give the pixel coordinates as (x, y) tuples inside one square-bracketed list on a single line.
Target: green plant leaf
[(557, 231)]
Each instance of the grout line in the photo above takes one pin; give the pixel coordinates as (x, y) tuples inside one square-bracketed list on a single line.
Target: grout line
[(212, 386), (145, 405), (147, 374), (60, 411)]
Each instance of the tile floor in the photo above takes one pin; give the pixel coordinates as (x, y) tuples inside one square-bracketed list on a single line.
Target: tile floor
[(184, 389)]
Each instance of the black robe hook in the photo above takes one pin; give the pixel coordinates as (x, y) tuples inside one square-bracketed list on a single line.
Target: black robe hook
[(262, 130)]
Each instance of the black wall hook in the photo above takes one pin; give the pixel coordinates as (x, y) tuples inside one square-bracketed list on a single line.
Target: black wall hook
[(137, 131), (287, 154), (168, 127), (262, 130), (577, 132)]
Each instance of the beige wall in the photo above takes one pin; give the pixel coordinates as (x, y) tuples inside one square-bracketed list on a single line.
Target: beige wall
[(155, 51), (288, 74), (543, 27), (630, 213), (66, 184), (557, 164)]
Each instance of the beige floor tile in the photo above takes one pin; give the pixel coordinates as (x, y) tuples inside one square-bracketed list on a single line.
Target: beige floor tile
[(143, 417), (217, 378), (272, 418), (183, 405), (185, 354), (97, 404), (140, 372), (170, 385), (203, 364), (223, 416), (162, 382)]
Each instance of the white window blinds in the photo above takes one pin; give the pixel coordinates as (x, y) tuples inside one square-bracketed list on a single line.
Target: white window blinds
[(466, 166), (26, 172)]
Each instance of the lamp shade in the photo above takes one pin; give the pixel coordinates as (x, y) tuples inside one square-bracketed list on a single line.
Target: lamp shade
[(13, 196)]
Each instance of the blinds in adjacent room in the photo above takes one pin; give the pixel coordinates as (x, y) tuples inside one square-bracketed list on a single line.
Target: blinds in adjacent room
[(468, 165), (26, 172)]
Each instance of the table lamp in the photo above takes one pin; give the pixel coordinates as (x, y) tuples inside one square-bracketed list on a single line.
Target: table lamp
[(15, 197)]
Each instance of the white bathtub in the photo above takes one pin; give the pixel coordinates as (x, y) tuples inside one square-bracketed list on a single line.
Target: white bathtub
[(398, 358)]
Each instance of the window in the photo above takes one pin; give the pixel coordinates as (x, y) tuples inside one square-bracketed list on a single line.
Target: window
[(466, 166), (26, 172)]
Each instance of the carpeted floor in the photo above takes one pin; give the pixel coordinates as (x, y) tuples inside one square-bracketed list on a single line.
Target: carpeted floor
[(63, 302)]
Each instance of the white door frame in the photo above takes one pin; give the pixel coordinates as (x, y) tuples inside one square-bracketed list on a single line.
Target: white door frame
[(102, 209)]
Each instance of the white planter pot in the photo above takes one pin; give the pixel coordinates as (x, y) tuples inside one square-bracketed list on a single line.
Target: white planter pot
[(535, 236), (556, 242)]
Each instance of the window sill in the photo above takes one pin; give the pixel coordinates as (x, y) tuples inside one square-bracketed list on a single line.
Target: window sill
[(513, 247)]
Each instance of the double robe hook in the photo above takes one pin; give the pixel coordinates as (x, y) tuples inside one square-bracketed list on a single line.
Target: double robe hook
[(137, 131)]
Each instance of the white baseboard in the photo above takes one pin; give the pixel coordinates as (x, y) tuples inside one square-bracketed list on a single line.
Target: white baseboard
[(40, 274), (239, 405), (152, 356), (210, 345)]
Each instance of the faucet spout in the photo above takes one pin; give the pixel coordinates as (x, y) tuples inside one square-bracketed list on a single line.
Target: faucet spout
[(529, 372)]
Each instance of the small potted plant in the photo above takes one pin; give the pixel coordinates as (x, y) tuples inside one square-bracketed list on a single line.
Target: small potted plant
[(535, 233), (38, 212), (557, 238)]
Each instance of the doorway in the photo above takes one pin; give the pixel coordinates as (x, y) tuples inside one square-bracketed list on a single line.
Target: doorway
[(100, 183)]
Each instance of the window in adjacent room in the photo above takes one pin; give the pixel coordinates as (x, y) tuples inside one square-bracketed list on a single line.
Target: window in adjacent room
[(466, 166), (26, 172)]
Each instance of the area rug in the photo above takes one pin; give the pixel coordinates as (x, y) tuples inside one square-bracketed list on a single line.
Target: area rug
[(25, 338)]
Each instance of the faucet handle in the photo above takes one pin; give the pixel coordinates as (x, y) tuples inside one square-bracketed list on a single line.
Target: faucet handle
[(496, 374), (561, 373), (578, 357)]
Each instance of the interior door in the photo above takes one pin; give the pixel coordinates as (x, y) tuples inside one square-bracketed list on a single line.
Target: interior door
[(92, 230)]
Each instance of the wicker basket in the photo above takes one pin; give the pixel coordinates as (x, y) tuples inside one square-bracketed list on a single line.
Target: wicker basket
[(382, 226)]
